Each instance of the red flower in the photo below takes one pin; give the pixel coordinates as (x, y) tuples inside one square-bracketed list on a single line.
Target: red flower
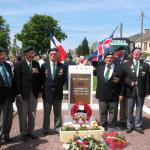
[(87, 110)]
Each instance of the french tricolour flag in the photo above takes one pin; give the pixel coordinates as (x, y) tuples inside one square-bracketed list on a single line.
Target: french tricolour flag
[(56, 44)]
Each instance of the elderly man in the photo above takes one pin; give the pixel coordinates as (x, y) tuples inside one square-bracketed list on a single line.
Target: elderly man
[(53, 78), (137, 87), (6, 109), (120, 59), (27, 79), (108, 90)]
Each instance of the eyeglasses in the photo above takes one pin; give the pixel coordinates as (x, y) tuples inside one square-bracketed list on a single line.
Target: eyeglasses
[(53, 53)]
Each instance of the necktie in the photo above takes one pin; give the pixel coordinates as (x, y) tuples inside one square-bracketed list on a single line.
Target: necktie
[(30, 66), (106, 76), (54, 69), (5, 75)]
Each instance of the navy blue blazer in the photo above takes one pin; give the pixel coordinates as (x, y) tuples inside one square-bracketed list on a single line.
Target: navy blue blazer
[(52, 89), (5, 91)]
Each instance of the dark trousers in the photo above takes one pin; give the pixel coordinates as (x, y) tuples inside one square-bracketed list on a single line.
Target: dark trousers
[(57, 114), (105, 109), (7, 117), (122, 112), (1, 121), (138, 115)]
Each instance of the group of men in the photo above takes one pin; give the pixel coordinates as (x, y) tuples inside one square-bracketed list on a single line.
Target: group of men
[(124, 80), (24, 84), (119, 79)]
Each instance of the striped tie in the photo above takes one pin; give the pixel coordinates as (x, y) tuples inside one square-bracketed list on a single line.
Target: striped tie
[(5, 75)]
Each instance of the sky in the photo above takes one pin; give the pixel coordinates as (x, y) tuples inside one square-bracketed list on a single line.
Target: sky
[(93, 19)]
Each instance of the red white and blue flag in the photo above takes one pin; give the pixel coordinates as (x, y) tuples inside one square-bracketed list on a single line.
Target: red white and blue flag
[(102, 49), (61, 51)]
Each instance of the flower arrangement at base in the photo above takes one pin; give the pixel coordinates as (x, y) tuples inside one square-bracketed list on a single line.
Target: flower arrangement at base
[(85, 143), (68, 128), (93, 126), (114, 140), (81, 113)]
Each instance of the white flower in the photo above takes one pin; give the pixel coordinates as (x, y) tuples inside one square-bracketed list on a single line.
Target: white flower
[(66, 146)]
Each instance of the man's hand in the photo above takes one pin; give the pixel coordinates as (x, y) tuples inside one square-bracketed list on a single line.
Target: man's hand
[(121, 98)]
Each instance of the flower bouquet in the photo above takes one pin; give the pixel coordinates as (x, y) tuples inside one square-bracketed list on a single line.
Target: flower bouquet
[(114, 140), (85, 143)]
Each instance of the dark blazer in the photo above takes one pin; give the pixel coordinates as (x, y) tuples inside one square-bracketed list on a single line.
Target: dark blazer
[(110, 90), (26, 80), (142, 79), (52, 89), (5, 91), (121, 68)]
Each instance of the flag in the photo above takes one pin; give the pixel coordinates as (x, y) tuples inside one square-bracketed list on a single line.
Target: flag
[(102, 49), (61, 51), (104, 46), (93, 56)]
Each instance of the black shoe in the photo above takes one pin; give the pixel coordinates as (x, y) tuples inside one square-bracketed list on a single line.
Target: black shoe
[(129, 130), (24, 138), (105, 128), (8, 140), (32, 136), (45, 133), (140, 130), (56, 132)]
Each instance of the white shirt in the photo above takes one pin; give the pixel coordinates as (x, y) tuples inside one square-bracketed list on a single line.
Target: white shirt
[(112, 66)]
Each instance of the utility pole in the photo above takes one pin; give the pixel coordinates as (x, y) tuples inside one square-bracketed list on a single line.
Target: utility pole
[(142, 16), (121, 30)]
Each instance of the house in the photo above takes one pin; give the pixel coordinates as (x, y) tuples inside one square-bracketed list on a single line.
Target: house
[(145, 41)]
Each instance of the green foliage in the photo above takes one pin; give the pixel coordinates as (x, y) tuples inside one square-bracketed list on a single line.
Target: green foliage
[(37, 32), (144, 55), (83, 49), (4, 34)]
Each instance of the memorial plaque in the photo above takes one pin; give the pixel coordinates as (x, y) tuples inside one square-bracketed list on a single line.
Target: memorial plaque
[(80, 84), (80, 88)]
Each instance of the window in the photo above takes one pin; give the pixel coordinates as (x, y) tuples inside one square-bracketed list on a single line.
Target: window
[(145, 46)]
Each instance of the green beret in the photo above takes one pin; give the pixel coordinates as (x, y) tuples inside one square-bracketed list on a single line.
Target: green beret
[(27, 49), (109, 53), (2, 49)]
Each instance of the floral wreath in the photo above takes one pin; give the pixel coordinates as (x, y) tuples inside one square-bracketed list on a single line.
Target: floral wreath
[(87, 111)]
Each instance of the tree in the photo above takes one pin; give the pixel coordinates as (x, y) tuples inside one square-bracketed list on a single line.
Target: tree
[(37, 32), (4, 34), (83, 49)]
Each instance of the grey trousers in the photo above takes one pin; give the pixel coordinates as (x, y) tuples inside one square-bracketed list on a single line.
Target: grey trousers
[(138, 115), (7, 117), (27, 112), (57, 114), (108, 109)]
